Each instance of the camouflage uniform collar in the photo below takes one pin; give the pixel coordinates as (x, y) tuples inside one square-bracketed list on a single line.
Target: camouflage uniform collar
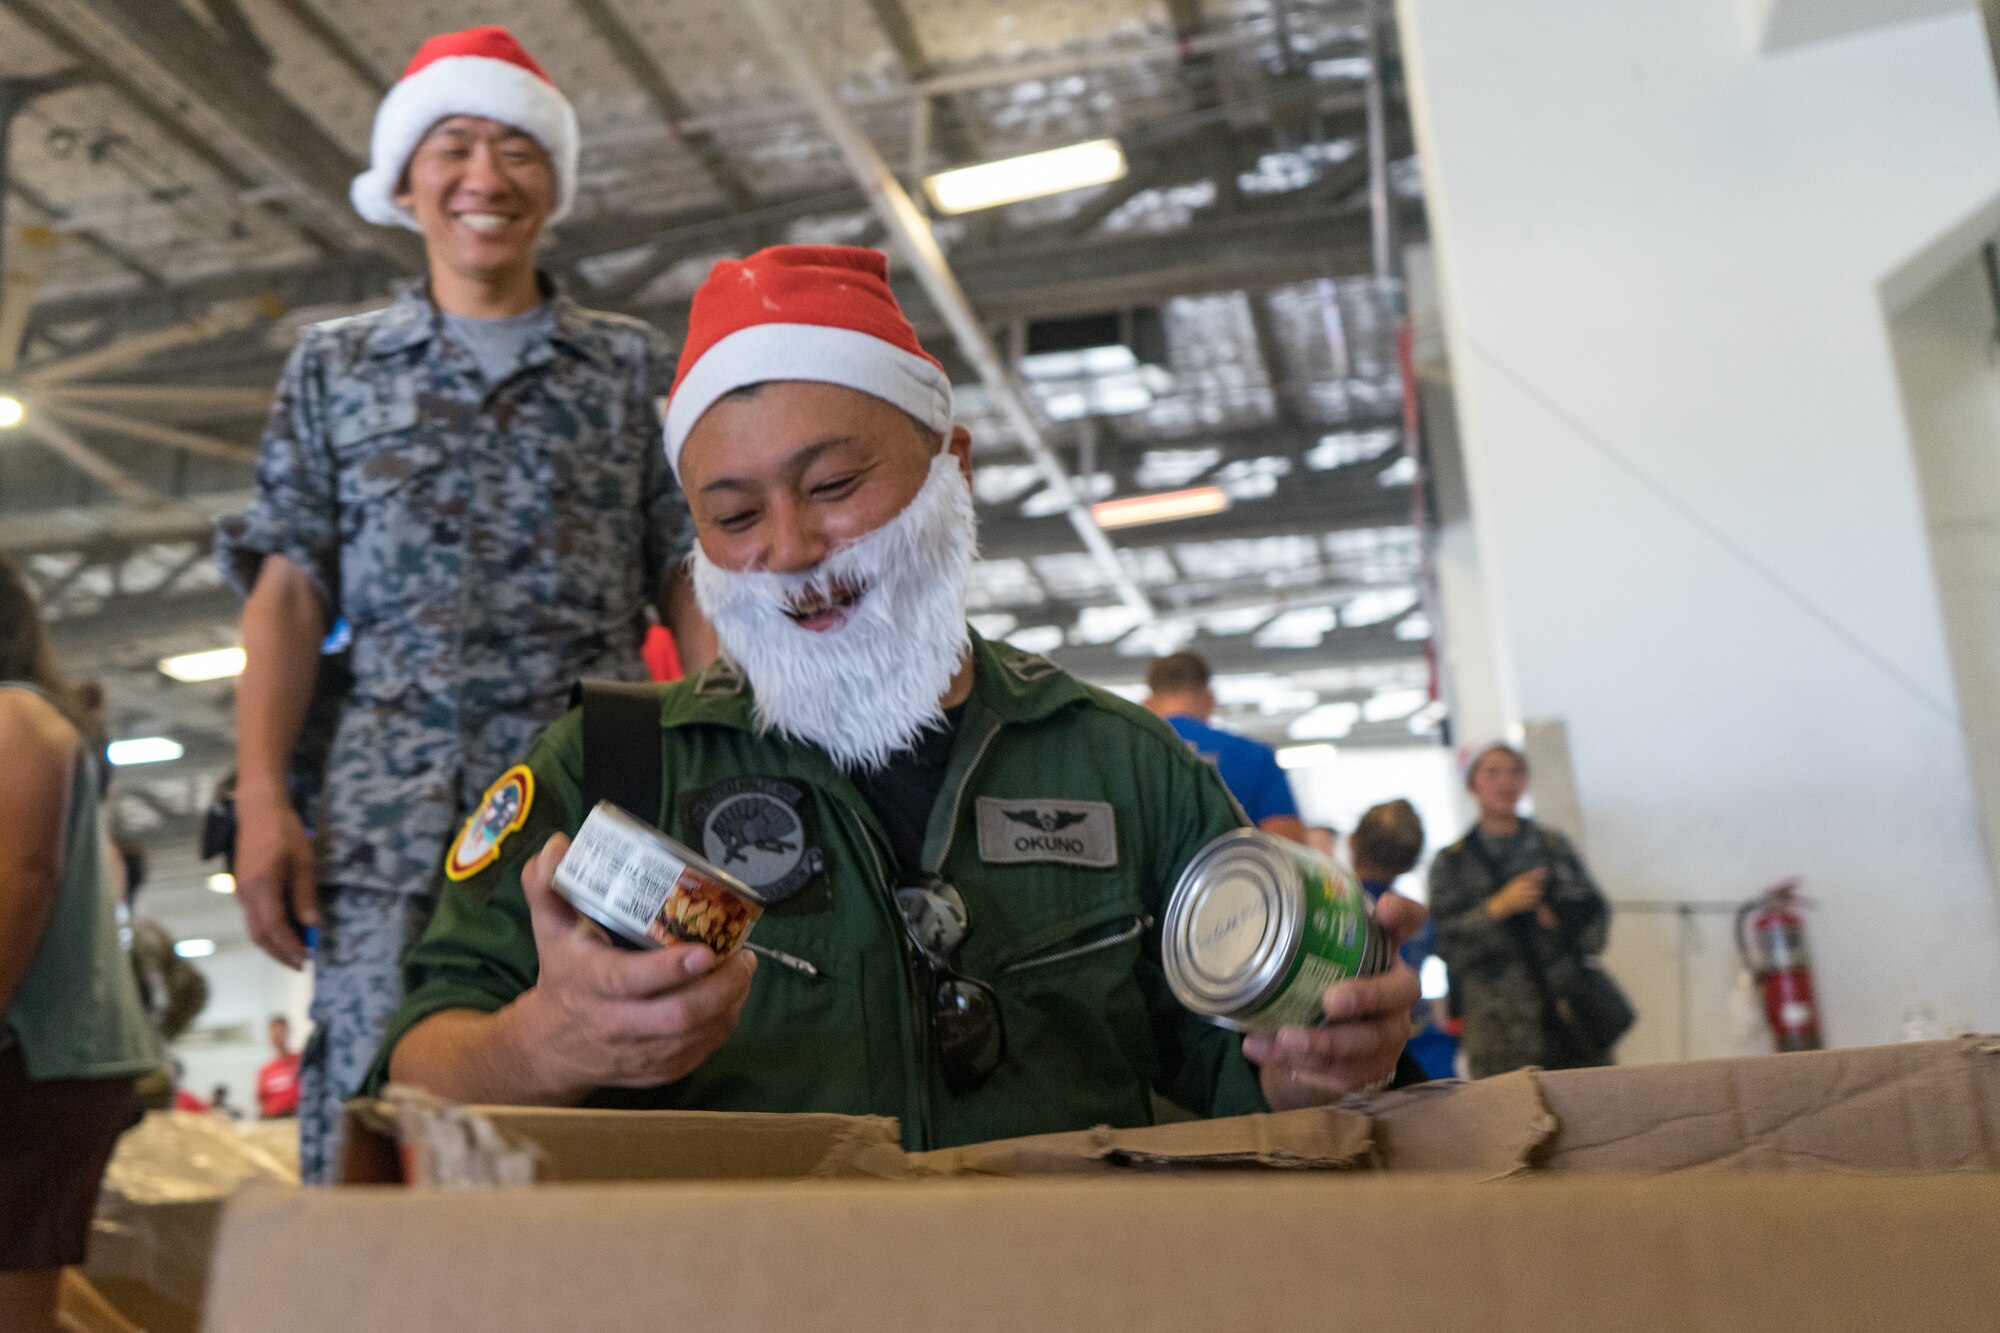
[(412, 320), (1013, 685)]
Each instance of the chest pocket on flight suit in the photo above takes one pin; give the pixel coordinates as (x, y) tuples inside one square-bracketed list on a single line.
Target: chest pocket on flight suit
[(400, 533)]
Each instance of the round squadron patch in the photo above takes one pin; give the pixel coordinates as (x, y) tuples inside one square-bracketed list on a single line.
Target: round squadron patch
[(501, 811), (754, 828)]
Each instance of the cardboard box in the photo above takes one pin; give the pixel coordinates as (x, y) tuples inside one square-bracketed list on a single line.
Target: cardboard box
[(1235, 1252), (1840, 1189), (159, 1209), (1925, 1107)]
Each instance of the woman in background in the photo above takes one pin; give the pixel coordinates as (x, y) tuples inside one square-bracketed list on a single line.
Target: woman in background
[(72, 1034), (1515, 909)]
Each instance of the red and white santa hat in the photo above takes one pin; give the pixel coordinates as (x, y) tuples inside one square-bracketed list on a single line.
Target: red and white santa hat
[(478, 72), (803, 312)]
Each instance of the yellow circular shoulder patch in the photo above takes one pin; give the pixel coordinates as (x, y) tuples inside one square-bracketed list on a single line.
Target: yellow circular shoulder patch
[(501, 811)]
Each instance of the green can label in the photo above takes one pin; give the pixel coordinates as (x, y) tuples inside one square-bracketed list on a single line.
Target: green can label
[(1331, 949)]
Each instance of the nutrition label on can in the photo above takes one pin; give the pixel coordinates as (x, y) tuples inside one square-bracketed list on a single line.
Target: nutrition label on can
[(627, 874)]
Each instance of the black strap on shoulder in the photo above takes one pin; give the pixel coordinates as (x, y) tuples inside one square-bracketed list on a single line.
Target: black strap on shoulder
[(621, 746)]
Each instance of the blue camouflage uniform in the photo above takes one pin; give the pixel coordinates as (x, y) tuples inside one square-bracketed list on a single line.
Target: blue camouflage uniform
[(488, 544)]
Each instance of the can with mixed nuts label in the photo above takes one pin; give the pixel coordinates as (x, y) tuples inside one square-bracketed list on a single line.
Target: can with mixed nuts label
[(1259, 927), (648, 890)]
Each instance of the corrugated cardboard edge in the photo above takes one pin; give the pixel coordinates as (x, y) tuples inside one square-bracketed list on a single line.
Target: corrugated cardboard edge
[(84, 1308), (1319, 1139), (1276, 1251), (1922, 1107), (1491, 1128), (152, 1258)]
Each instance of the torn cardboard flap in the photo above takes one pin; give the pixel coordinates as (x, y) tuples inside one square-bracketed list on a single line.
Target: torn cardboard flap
[(546, 1145), (1490, 1128), (1929, 1106), (1325, 1138)]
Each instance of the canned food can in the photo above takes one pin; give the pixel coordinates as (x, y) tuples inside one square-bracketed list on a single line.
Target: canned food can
[(647, 889), (1258, 927)]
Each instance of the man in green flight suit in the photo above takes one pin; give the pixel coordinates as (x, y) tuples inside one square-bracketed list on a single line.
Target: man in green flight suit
[(966, 850)]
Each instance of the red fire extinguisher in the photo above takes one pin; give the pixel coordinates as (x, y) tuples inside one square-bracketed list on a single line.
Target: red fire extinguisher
[(1771, 938)]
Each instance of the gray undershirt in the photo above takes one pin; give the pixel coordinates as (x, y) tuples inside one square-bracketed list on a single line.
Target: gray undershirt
[(497, 344)]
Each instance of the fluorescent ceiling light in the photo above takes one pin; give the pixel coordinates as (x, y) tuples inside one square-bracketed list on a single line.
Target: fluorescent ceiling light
[(1110, 359), (1134, 510), (222, 882), (193, 668), (144, 750), (1328, 722), (12, 412), (1030, 176), (195, 948), (1306, 756), (1394, 705)]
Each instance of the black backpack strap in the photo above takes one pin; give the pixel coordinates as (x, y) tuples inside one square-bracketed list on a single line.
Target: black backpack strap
[(621, 746)]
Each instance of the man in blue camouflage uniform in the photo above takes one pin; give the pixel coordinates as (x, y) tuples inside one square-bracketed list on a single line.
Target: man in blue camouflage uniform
[(472, 479)]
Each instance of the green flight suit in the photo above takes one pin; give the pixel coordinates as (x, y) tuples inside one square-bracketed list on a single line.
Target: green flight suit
[(1065, 819)]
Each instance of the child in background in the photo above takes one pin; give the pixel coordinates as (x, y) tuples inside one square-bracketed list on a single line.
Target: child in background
[(1384, 847)]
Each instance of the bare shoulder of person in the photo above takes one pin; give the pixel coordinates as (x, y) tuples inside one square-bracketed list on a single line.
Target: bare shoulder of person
[(33, 734)]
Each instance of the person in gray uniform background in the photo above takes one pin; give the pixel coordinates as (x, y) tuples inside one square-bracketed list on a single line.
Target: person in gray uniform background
[(472, 479)]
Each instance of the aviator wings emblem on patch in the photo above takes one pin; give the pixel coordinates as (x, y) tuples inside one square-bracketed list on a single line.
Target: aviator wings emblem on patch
[(1047, 821)]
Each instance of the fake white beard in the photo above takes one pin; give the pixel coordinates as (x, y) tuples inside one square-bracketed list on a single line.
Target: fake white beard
[(870, 686)]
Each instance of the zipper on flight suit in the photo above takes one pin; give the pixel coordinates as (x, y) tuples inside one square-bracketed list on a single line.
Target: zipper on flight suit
[(920, 1017), (1139, 926), (783, 959), (935, 865)]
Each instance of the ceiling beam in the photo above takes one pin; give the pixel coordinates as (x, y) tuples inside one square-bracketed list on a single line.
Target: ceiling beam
[(950, 128), (1265, 246), (85, 236), (77, 452), (347, 278), (630, 53), (1261, 248), (335, 41), (213, 73), (1123, 458), (123, 622), (106, 71), (1198, 68), (1311, 504), (118, 527)]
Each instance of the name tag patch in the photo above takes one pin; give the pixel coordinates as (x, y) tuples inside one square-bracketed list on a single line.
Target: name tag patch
[(1077, 833)]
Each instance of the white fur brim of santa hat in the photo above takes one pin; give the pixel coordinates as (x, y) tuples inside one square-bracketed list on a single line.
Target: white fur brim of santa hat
[(815, 352), (463, 85)]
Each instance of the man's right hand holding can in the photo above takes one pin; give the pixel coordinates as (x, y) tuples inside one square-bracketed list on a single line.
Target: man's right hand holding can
[(598, 1015)]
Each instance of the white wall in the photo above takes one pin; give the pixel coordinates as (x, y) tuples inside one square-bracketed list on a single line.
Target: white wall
[(1949, 361), (1699, 528)]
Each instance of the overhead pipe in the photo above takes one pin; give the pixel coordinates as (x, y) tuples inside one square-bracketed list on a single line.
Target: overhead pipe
[(912, 234), (1382, 222)]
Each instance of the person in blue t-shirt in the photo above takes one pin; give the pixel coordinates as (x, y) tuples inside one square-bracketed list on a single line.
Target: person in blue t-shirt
[(1177, 690)]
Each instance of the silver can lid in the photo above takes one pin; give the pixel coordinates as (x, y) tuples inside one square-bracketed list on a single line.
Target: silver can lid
[(1232, 925)]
